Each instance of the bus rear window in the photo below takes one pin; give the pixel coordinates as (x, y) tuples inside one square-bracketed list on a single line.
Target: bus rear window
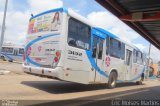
[(46, 22), (78, 34)]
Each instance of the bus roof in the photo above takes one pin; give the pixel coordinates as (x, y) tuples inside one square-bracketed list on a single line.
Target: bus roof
[(84, 20)]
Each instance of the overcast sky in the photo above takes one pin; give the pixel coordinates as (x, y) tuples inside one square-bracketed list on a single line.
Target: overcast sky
[(19, 12)]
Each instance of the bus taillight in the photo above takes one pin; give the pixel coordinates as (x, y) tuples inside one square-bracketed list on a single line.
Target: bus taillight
[(58, 54), (56, 59)]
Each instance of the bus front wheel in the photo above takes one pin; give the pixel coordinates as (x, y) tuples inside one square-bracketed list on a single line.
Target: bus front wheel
[(112, 80)]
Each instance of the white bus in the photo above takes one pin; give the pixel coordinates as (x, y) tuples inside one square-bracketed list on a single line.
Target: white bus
[(63, 45), (12, 53)]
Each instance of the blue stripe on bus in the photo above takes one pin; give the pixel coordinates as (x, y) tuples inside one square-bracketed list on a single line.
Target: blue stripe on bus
[(143, 70), (105, 33), (94, 65), (63, 9), (31, 43), (9, 58), (19, 55)]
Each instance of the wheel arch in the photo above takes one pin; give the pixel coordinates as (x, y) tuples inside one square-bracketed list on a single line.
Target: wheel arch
[(114, 70)]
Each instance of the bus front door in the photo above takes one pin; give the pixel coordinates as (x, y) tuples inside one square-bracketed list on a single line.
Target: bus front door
[(128, 64), (97, 54)]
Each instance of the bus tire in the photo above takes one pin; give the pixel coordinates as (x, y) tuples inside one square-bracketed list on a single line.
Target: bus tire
[(141, 80), (112, 80)]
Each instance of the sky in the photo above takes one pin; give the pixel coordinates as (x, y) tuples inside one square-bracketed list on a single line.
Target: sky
[(18, 14)]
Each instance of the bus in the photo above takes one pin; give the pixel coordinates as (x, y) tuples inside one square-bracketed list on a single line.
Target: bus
[(63, 45), (12, 53)]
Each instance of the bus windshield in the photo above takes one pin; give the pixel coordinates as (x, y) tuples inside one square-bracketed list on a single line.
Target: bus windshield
[(47, 22), (7, 50)]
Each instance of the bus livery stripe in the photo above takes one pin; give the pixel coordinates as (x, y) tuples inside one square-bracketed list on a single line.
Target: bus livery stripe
[(94, 65), (31, 43), (49, 11), (7, 56)]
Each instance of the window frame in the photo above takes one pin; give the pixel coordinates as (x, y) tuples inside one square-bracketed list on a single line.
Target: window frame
[(89, 33), (118, 49)]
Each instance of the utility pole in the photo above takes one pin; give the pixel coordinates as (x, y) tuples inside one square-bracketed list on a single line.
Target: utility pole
[(3, 26), (149, 59)]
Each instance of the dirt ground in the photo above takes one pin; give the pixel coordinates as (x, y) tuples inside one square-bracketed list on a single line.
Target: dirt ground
[(20, 86)]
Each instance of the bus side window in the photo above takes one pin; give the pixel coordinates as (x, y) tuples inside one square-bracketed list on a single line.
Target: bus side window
[(115, 48), (7, 50), (134, 56), (139, 57)]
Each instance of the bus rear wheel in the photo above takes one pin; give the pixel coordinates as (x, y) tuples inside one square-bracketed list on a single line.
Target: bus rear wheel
[(140, 82), (112, 80)]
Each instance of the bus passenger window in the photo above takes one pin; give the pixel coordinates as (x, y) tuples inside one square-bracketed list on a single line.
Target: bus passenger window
[(134, 56), (7, 50), (115, 49), (139, 57)]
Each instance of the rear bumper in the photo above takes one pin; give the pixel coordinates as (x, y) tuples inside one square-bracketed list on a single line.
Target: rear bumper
[(46, 72)]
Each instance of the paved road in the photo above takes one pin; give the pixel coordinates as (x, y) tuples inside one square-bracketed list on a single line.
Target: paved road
[(20, 86)]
